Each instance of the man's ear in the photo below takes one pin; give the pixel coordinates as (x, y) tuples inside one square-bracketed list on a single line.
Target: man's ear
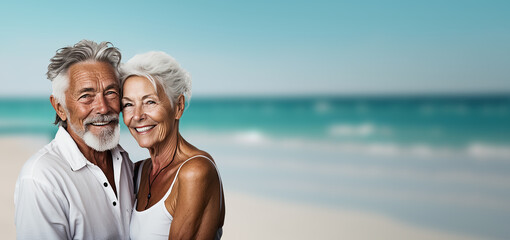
[(179, 107), (58, 108)]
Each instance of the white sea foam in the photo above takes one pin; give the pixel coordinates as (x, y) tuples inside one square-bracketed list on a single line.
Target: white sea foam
[(251, 137), (357, 130), (478, 151), (485, 151), (472, 151), (346, 130)]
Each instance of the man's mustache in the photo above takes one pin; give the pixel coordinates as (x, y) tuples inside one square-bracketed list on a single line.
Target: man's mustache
[(101, 118)]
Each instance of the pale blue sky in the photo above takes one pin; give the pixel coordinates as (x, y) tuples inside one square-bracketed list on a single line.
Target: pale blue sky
[(276, 47)]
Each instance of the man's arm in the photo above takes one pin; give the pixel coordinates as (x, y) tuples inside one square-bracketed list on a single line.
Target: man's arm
[(40, 211)]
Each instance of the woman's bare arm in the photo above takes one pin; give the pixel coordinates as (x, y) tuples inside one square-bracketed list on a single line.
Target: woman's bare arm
[(197, 210)]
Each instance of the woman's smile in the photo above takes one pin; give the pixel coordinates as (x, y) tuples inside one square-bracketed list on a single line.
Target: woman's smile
[(144, 129)]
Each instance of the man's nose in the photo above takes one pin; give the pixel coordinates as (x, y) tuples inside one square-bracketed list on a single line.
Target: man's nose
[(101, 104)]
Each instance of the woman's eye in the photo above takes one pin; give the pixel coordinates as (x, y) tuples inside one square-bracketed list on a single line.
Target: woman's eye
[(127, 105), (151, 102)]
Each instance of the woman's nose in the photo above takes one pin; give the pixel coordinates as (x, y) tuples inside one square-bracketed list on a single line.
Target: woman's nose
[(138, 113)]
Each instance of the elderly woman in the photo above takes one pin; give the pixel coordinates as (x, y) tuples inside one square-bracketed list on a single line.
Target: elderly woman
[(179, 192)]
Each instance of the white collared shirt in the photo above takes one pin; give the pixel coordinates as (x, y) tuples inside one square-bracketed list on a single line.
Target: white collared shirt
[(61, 195)]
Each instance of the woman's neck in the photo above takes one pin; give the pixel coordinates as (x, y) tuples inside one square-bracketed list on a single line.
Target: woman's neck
[(163, 153)]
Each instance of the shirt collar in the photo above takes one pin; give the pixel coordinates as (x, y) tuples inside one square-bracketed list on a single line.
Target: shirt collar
[(72, 154)]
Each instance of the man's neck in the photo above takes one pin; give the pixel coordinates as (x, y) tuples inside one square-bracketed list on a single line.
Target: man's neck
[(100, 159)]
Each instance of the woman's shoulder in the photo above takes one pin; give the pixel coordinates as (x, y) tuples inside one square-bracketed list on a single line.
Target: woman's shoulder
[(199, 167)]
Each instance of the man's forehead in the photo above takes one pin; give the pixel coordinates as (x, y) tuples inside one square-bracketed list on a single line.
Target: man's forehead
[(92, 74), (91, 67)]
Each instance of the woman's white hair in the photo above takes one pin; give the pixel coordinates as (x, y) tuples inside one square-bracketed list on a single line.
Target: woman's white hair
[(85, 50), (161, 67)]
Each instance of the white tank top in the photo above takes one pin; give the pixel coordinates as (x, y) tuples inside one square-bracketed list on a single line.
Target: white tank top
[(154, 222)]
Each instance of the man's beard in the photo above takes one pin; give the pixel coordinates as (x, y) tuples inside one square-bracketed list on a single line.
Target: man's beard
[(108, 137)]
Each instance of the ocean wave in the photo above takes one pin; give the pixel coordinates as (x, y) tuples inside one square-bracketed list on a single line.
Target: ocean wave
[(478, 150), (351, 130), (322, 107), (8, 123), (356, 130), (251, 137), (427, 109), (485, 151)]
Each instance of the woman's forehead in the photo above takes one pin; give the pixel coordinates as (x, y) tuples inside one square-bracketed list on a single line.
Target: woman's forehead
[(140, 86)]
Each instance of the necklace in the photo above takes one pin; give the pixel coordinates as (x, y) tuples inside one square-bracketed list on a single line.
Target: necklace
[(157, 174)]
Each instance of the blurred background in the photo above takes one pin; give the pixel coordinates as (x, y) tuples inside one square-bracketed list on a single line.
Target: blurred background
[(327, 119)]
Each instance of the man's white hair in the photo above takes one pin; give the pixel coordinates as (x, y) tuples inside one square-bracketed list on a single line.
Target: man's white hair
[(160, 67), (82, 51), (59, 86)]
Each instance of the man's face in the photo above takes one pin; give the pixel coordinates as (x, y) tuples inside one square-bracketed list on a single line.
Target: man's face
[(93, 104)]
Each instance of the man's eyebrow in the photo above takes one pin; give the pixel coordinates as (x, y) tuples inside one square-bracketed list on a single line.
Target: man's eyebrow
[(113, 85), (85, 90)]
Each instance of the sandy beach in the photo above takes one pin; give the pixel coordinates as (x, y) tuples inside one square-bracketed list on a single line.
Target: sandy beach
[(248, 216), (15, 151), (253, 217)]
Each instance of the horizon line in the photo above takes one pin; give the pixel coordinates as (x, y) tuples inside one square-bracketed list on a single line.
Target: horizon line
[(503, 94)]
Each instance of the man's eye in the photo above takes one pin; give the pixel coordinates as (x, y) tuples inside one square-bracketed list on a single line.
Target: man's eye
[(84, 96), (110, 93)]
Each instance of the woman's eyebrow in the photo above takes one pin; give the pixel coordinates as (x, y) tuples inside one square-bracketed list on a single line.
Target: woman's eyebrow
[(143, 98)]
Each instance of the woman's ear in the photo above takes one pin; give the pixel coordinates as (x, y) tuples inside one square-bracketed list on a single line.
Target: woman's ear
[(179, 107), (58, 108)]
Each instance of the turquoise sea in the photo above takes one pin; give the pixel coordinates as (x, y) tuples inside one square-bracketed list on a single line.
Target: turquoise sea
[(441, 162)]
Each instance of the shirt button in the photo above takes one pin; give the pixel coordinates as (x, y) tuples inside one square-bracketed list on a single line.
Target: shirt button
[(105, 184), (114, 203)]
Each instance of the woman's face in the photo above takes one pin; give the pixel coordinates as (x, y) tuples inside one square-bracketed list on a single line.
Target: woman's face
[(148, 114)]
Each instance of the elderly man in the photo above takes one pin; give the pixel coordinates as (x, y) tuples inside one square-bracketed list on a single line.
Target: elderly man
[(80, 185)]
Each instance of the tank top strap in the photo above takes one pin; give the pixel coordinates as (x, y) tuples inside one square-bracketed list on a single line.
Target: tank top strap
[(221, 183), (177, 174)]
